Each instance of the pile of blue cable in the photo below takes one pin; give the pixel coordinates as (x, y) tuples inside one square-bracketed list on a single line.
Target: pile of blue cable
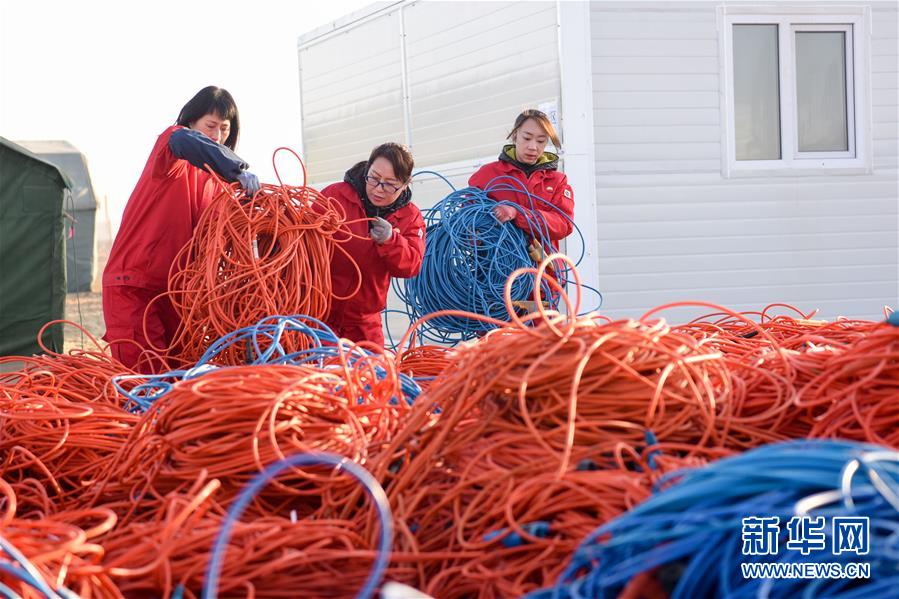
[(263, 345), (746, 526), (469, 254)]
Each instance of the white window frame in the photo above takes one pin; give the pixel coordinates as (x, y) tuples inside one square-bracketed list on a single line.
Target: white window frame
[(850, 91), (855, 21)]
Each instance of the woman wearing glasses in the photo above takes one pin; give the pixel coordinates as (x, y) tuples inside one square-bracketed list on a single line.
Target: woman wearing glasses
[(533, 168), (388, 240)]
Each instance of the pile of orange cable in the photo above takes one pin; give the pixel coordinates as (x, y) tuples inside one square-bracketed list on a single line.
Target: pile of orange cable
[(853, 396), (424, 362), (524, 442), (232, 422), (82, 375), (268, 555)]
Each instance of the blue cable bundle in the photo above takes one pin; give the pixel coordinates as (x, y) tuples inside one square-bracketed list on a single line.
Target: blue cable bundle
[(141, 397), (27, 573), (690, 537), (469, 254), (374, 489), (263, 343)]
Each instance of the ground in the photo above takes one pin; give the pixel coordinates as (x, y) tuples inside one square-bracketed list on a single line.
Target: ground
[(85, 309)]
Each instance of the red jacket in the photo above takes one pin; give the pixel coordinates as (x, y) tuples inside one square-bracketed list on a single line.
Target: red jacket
[(159, 219), (359, 317), (544, 181)]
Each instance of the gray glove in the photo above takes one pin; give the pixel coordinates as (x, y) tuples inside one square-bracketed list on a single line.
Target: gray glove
[(380, 230), (249, 182)]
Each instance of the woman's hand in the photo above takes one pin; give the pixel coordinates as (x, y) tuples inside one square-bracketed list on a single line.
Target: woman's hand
[(249, 182), (504, 212), (380, 230)]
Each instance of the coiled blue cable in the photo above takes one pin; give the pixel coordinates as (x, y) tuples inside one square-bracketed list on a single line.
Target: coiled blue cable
[(374, 489), (469, 254), (264, 343), (690, 533), (27, 573)]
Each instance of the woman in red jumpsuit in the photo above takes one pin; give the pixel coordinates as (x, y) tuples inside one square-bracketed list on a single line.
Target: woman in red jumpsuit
[(159, 220), (527, 161), (388, 240)]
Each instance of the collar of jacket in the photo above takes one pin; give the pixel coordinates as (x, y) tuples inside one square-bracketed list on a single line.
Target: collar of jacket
[(356, 178), (547, 161)]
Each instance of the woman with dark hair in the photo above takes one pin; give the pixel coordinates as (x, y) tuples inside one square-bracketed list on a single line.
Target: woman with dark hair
[(160, 217), (527, 161), (388, 240)]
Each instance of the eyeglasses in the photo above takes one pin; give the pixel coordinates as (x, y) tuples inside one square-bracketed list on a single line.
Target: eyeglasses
[(374, 182)]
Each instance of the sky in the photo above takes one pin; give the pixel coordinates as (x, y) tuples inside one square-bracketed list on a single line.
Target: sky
[(109, 77)]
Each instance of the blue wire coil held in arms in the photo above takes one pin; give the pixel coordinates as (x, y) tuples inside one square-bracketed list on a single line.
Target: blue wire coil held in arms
[(469, 255)]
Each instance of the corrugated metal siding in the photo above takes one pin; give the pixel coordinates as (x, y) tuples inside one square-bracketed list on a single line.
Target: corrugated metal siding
[(884, 88), (472, 67), (351, 94), (671, 228), (655, 90)]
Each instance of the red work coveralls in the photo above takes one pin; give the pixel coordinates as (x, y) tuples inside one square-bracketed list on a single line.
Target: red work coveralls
[(359, 317), (159, 220)]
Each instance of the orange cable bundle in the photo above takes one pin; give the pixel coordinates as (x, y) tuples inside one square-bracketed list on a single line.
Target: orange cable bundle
[(424, 361), (473, 527), (591, 384), (809, 347), (231, 422), (80, 376), (739, 335), (855, 395), (61, 548), (251, 258), (267, 556), (63, 446)]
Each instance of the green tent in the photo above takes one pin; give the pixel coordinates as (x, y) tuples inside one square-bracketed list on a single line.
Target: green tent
[(82, 208), (32, 250)]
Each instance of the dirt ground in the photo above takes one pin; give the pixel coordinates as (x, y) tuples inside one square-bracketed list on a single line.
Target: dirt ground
[(85, 309)]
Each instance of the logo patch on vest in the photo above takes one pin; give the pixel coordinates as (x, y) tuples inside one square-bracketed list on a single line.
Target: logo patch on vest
[(567, 193)]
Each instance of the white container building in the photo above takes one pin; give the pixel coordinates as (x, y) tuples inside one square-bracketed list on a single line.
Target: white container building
[(741, 153)]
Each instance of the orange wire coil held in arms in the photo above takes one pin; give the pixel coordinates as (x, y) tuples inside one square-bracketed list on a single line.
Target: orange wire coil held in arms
[(251, 258)]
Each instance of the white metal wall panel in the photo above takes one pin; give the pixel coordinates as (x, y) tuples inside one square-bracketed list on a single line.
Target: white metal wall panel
[(671, 228), (655, 87), (884, 88), (472, 66), (351, 94)]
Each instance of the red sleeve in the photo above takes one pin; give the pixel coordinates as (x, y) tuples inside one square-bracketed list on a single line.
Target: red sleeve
[(402, 253), (558, 226)]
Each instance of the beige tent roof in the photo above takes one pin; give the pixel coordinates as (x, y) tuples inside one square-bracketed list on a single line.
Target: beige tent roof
[(73, 163)]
